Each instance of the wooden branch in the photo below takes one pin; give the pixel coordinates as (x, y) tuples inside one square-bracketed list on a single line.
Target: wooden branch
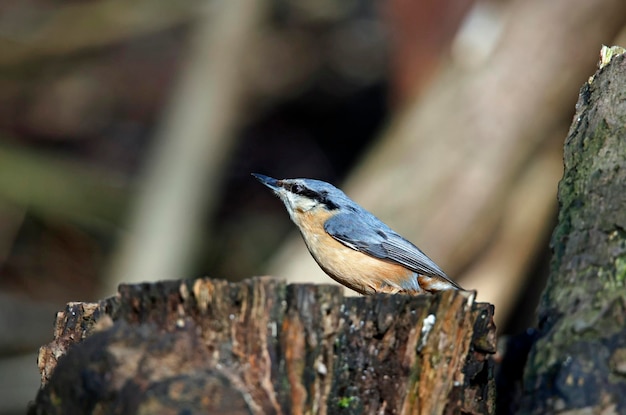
[(87, 195), (578, 362), (264, 347), (69, 28)]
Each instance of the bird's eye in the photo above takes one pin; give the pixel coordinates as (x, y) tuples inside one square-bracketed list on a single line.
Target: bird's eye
[(297, 189)]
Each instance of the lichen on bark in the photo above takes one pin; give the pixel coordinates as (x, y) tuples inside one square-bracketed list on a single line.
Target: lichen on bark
[(582, 314)]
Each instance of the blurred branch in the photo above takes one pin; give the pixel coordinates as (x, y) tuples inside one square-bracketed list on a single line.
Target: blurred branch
[(76, 27), (11, 218), (19, 380), (53, 186), (442, 173), (529, 207), (26, 323), (182, 177)]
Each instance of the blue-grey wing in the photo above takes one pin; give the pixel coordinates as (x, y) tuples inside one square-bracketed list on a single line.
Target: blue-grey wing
[(365, 233)]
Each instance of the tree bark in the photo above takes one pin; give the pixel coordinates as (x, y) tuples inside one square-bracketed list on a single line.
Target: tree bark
[(264, 347), (578, 361)]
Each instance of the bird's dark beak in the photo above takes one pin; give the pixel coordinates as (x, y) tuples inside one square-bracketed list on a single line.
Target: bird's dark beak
[(268, 181)]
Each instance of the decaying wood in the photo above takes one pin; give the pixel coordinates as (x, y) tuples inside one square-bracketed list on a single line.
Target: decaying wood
[(577, 363), (264, 347)]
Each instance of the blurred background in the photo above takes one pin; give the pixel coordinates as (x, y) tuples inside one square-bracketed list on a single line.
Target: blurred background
[(128, 132)]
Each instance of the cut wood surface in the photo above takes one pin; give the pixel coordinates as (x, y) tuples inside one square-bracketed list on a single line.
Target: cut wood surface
[(264, 347)]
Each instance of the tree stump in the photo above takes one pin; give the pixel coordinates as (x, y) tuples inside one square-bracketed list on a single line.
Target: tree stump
[(264, 347), (578, 362)]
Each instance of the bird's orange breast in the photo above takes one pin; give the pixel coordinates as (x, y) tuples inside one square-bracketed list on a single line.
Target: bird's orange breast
[(356, 270)]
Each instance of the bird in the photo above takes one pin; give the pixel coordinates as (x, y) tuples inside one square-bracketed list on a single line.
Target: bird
[(353, 246)]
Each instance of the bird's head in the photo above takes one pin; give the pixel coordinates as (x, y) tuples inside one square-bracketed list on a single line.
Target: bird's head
[(305, 195)]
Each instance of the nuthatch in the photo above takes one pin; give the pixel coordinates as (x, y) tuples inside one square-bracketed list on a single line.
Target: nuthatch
[(353, 246)]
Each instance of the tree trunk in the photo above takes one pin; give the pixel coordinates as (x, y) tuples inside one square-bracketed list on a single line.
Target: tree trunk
[(578, 361), (264, 347)]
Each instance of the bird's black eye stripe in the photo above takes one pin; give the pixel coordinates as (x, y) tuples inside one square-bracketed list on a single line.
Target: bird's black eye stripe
[(329, 204), (303, 191), (321, 197)]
